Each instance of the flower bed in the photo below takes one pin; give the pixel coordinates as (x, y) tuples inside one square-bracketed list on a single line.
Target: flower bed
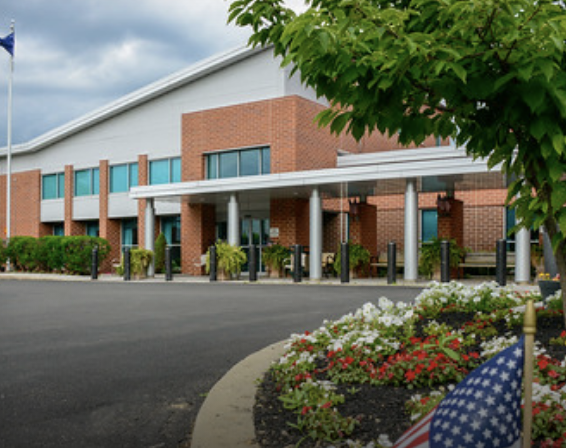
[(364, 379)]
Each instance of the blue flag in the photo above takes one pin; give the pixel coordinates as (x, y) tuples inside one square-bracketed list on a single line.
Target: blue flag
[(484, 410), (8, 43)]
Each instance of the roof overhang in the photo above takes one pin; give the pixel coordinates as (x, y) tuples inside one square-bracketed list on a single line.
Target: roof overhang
[(436, 169)]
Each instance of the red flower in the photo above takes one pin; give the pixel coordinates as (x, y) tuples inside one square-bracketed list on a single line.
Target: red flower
[(553, 374), (542, 364), (305, 409), (326, 405), (410, 375)]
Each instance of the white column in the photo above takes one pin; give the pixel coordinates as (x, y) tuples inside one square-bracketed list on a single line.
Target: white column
[(411, 230), (150, 233), (315, 235), (523, 256), (233, 221)]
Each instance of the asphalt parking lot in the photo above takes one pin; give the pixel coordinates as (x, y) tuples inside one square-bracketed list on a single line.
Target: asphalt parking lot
[(94, 364)]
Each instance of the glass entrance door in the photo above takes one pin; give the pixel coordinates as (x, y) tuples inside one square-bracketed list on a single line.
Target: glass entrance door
[(254, 231)]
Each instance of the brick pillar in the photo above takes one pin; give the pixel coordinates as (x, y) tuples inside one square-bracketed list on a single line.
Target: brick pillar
[(363, 227), (71, 227), (198, 224), (143, 179), (451, 222), (291, 217), (109, 228)]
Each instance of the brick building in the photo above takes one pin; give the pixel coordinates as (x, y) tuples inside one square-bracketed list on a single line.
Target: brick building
[(228, 149)]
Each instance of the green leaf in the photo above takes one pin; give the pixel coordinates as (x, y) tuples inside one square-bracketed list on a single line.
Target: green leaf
[(458, 70)]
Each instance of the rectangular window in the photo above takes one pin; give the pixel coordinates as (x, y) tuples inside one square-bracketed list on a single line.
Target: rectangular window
[(129, 233), (212, 166), (175, 170), (87, 182), (123, 177), (243, 162), (165, 171), (429, 228), (59, 229), (118, 178), (265, 161), (228, 164), (249, 162), (92, 228), (53, 186)]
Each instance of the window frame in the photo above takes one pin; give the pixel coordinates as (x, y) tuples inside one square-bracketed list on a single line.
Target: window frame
[(131, 179), (173, 170), (213, 164), (93, 182), (59, 186)]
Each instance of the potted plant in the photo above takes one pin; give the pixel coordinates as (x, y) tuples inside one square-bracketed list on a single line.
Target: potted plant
[(548, 286), (429, 260), (275, 256), (359, 259), (140, 259), (229, 259)]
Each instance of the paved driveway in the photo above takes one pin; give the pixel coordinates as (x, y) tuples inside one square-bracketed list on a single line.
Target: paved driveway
[(127, 365)]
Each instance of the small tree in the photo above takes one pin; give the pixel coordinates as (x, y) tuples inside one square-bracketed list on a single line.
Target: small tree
[(491, 74), (160, 245)]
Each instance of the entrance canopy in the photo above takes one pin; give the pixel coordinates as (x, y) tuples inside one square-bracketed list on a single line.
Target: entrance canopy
[(436, 169)]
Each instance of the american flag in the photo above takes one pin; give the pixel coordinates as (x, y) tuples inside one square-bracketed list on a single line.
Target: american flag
[(483, 411)]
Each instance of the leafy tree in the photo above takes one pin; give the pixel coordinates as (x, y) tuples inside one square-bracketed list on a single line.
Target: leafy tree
[(489, 73)]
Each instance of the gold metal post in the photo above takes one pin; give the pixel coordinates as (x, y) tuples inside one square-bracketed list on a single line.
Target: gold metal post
[(529, 328)]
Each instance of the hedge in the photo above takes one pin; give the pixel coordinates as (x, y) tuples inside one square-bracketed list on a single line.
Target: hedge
[(70, 254)]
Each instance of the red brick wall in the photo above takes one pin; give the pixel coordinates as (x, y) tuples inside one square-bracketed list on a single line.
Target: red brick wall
[(143, 179), (109, 228), (197, 235), (451, 225), (291, 217), (25, 204)]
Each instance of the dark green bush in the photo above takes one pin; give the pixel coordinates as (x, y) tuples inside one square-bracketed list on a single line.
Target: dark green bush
[(160, 244), (78, 253), (22, 251), (50, 253)]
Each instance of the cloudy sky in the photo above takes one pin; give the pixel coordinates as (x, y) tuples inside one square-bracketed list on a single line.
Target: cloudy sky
[(73, 56)]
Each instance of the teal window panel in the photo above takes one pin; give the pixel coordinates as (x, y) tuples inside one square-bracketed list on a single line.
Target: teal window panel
[(92, 228), (118, 178), (228, 162), (95, 177), (133, 174), (265, 161), (175, 170), (59, 229), (429, 225), (82, 183), (159, 172), (49, 186), (250, 162), (61, 185), (212, 166)]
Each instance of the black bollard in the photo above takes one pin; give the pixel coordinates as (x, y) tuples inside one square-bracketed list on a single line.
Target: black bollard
[(297, 263), (212, 264), (127, 266), (344, 263), (445, 261), (391, 263), (94, 264), (501, 262), (168, 265), (252, 268)]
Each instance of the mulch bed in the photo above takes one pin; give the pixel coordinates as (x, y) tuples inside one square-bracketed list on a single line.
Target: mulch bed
[(380, 410)]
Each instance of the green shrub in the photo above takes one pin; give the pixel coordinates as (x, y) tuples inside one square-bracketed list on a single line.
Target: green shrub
[(429, 261), (230, 258), (3, 252), (359, 257), (78, 253), (275, 256), (140, 259), (22, 251), (160, 245), (50, 253)]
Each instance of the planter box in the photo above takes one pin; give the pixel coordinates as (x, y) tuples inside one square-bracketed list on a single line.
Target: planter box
[(548, 287)]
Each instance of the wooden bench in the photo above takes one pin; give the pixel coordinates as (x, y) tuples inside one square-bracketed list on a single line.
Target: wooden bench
[(288, 268), (380, 261), (484, 260)]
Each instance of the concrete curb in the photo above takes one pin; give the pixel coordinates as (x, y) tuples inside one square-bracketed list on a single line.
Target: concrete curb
[(225, 418)]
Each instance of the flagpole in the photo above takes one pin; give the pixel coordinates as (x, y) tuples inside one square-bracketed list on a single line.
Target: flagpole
[(9, 156), (529, 328)]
